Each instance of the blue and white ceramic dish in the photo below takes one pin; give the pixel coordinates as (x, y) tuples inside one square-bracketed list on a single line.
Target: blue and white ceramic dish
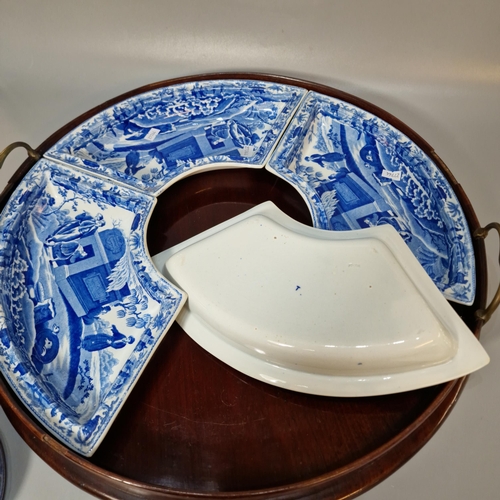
[(354, 170), (82, 307), (152, 140)]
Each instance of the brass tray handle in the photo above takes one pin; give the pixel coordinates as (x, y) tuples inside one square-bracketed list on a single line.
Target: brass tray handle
[(485, 314), (31, 152)]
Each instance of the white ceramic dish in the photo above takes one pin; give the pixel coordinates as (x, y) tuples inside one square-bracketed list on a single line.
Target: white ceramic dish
[(348, 313)]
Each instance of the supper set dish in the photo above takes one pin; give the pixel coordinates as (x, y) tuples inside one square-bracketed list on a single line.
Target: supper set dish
[(334, 313)]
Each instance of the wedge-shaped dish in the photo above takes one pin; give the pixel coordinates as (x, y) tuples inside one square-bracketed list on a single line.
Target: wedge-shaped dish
[(355, 170), (152, 140), (348, 313), (82, 308)]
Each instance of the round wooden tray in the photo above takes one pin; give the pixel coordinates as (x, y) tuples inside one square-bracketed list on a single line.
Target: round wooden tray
[(195, 428)]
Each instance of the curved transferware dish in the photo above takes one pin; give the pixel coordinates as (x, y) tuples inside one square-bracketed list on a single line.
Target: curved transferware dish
[(355, 171), (82, 307), (349, 313), (152, 140)]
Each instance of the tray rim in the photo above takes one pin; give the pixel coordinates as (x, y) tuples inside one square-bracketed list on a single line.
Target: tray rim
[(40, 441), (89, 477)]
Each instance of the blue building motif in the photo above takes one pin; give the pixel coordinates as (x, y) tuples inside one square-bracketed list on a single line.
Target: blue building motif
[(223, 138), (357, 201), (85, 282)]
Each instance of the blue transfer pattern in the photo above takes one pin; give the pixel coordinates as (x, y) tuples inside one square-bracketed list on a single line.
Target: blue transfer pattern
[(153, 139), (82, 307), (355, 170)]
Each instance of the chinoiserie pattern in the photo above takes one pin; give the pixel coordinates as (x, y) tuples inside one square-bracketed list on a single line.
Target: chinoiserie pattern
[(83, 307), (355, 170), (153, 139)]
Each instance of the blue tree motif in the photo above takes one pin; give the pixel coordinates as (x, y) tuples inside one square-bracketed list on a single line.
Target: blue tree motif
[(86, 386)]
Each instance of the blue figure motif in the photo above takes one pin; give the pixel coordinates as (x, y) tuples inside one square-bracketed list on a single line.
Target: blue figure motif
[(132, 161), (326, 158), (101, 341), (82, 225), (46, 347), (218, 132)]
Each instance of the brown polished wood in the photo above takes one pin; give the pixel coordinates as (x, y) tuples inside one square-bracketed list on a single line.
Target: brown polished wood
[(195, 428)]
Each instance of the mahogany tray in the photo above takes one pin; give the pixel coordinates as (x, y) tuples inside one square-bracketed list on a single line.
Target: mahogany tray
[(196, 428)]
